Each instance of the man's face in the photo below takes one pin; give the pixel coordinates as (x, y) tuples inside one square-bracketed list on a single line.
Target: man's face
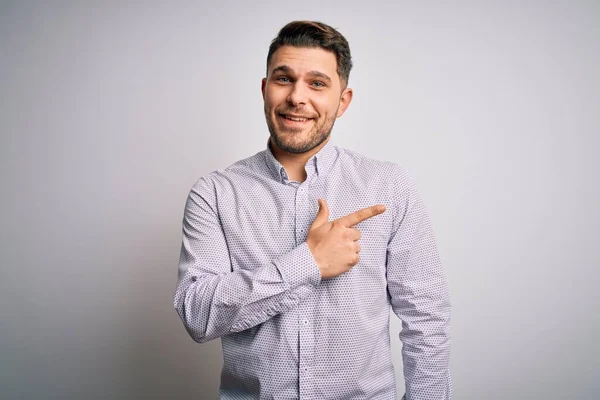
[(303, 96)]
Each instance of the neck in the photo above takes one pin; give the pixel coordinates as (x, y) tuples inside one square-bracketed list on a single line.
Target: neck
[(294, 163)]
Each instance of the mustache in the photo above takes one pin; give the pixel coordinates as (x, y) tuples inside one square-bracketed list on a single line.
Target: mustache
[(295, 113)]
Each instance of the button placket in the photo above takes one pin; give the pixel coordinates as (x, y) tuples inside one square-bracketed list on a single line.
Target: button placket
[(302, 212), (305, 309), (306, 347)]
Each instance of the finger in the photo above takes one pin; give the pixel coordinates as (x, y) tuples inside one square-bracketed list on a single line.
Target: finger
[(322, 215), (357, 247), (356, 217)]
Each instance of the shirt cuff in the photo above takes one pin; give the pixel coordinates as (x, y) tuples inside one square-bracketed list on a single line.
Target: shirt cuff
[(298, 267)]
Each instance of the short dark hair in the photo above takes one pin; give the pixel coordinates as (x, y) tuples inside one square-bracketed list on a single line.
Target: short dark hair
[(315, 34)]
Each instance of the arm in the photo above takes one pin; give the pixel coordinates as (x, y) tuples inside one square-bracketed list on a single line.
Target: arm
[(213, 301), (419, 296)]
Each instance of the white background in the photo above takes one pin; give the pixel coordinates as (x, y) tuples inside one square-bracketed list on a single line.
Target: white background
[(109, 112)]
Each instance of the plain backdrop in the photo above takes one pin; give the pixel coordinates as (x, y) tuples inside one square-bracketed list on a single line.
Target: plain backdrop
[(110, 111)]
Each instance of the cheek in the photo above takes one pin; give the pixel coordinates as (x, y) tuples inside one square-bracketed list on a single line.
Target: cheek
[(274, 97), (270, 107), (326, 106)]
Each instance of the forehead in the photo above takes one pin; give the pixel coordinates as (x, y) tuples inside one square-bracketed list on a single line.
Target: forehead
[(305, 59)]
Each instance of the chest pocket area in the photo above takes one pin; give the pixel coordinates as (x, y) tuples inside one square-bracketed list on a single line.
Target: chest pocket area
[(256, 235), (375, 233)]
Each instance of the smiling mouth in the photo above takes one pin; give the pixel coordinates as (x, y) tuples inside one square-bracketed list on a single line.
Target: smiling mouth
[(294, 118)]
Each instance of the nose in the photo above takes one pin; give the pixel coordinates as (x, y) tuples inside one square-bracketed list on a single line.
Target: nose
[(298, 95)]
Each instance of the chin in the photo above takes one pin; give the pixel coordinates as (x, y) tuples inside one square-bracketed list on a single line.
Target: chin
[(290, 145), (293, 147), (298, 147)]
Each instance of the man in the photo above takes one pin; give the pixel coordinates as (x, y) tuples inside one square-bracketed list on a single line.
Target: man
[(294, 256)]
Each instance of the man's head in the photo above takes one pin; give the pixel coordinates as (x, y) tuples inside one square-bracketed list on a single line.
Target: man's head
[(305, 89)]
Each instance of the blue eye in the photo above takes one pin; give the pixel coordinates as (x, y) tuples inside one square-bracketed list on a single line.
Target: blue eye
[(318, 84), (283, 79)]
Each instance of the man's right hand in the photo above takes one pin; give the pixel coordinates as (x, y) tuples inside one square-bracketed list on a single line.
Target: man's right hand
[(334, 244)]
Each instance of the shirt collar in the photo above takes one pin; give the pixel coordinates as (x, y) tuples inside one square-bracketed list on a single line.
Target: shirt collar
[(320, 163)]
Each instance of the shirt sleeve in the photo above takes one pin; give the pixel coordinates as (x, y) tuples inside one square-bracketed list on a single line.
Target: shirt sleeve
[(210, 298), (419, 295)]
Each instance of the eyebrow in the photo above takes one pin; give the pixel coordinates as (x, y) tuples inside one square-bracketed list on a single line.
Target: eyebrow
[(287, 70)]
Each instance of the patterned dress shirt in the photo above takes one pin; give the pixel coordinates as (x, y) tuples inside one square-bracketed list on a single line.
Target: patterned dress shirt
[(247, 276)]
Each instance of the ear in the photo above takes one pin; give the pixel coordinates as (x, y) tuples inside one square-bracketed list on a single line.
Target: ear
[(263, 86), (345, 101)]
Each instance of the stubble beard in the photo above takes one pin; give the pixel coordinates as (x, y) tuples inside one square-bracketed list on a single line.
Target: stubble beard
[(285, 139)]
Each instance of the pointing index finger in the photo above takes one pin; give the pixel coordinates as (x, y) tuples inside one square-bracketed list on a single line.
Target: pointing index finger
[(358, 216)]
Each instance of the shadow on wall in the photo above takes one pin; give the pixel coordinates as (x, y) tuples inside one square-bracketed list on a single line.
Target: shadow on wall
[(161, 360)]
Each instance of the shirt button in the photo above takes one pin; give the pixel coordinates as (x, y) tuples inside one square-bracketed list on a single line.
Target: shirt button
[(194, 279)]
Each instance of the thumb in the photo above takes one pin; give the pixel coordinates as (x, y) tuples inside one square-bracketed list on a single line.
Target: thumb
[(323, 214)]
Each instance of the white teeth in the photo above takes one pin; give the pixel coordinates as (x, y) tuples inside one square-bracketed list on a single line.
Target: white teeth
[(297, 119)]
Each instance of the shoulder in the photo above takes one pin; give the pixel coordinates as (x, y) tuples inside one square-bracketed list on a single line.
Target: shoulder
[(234, 174)]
